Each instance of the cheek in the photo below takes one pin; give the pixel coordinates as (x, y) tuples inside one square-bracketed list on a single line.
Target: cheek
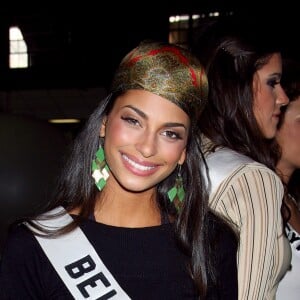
[(289, 137), (265, 103), (171, 152), (283, 136), (257, 107), (294, 134), (264, 106), (117, 133), (258, 114), (292, 146)]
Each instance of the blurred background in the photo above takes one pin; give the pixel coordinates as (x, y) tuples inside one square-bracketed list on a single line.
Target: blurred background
[(57, 59), (56, 63)]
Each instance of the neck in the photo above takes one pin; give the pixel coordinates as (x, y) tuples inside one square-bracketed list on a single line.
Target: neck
[(285, 171), (118, 207)]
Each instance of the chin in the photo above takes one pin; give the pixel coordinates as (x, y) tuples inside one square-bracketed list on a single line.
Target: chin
[(270, 136), (271, 133), (134, 187)]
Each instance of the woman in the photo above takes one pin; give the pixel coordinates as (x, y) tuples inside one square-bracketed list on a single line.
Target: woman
[(288, 167), (238, 123), (131, 182)]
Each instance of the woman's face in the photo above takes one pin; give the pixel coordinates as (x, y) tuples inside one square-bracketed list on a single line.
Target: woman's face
[(288, 137), (145, 138), (269, 96)]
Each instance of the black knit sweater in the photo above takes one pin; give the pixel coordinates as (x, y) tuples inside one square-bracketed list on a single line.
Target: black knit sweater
[(145, 262)]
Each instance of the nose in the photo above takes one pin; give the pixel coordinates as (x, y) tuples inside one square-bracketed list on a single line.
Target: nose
[(283, 98), (147, 145)]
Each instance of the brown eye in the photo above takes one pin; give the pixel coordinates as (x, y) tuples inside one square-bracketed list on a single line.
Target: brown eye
[(272, 82), (172, 135), (130, 120)]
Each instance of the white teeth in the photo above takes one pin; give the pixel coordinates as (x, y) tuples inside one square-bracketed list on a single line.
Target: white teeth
[(136, 165)]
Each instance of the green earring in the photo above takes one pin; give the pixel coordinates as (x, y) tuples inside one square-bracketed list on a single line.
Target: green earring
[(176, 193), (100, 169)]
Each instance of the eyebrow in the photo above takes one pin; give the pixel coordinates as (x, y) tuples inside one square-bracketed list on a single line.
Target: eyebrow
[(277, 74), (143, 115)]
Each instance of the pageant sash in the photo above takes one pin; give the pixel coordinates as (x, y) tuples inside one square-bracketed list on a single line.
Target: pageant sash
[(77, 262), (223, 163)]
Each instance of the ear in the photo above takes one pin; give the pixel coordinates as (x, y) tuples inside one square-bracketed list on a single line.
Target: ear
[(182, 157), (103, 126)]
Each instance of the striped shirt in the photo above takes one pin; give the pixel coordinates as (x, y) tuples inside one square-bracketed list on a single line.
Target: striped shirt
[(249, 195)]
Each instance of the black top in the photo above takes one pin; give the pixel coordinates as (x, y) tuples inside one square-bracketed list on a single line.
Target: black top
[(145, 262)]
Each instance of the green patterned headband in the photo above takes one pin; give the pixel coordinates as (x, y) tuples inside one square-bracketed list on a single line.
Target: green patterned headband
[(166, 70)]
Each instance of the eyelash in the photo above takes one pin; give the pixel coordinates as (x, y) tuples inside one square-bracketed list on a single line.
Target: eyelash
[(172, 135), (168, 133), (272, 82), (130, 120)]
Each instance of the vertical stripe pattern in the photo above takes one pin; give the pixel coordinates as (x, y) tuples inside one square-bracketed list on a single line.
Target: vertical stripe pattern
[(250, 197)]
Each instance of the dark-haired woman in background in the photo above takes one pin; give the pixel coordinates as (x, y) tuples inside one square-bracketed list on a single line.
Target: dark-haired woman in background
[(239, 123)]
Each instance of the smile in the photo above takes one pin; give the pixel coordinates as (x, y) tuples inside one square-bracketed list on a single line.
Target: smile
[(136, 165)]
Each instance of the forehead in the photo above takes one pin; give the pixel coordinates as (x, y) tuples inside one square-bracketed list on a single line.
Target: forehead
[(151, 105), (273, 65)]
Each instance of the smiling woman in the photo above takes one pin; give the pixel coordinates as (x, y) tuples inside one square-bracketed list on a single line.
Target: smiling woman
[(145, 141), (130, 218)]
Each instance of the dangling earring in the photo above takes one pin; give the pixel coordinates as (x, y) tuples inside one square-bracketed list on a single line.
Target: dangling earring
[(100, 169), (176, 193)]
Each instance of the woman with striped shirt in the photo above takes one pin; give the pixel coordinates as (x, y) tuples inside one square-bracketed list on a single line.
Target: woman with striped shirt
[(239, 123)]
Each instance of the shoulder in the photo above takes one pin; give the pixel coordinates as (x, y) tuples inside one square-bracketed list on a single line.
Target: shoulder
[(226, 165), (19, 243), (230, 160), (20, 255), (25, 270), (227, 160), (19, 233)]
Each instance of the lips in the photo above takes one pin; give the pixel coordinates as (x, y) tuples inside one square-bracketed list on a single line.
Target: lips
[(276, 115), (140, 166)]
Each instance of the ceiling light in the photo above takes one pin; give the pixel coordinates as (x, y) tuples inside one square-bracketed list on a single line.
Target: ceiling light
[(63, 121)]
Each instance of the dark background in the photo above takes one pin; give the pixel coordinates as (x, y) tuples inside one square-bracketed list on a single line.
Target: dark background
[(79, 45)]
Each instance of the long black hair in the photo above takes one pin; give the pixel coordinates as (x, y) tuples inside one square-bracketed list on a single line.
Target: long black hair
[(76, 188)]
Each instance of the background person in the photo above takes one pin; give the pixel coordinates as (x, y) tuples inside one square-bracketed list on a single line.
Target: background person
[(288, 168), (244, 68)]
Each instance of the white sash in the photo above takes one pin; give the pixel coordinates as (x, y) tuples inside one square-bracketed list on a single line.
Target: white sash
[(77, 262), (221, 164)]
